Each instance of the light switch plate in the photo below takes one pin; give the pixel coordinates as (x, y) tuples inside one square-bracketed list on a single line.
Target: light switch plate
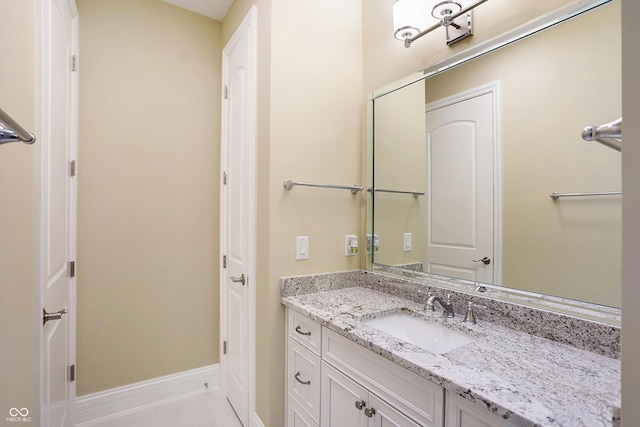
[(302, 247), (406, 242)]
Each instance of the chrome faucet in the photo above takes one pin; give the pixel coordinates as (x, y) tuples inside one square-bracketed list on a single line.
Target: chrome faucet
[(447, 307)]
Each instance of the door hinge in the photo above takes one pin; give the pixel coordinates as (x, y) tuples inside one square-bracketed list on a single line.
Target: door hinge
[(72, 269), (226, 92), (74, 63), (224, 261), (224, 347), (72, 373), (72, 168), (224, 178)]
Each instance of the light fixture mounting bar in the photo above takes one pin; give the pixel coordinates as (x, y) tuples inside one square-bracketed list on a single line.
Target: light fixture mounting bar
[(449, 19)]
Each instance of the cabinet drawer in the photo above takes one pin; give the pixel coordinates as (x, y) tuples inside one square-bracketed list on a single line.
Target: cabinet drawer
[(304, 330), (418, 398), (303, 379), (298, 417)]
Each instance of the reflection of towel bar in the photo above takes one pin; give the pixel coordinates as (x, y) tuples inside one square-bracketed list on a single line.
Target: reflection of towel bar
[(415, 194), (289, 184), (11, 131), (556, 196)]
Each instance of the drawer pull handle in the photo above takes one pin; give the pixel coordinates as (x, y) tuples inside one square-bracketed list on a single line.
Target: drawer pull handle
[(360, 404), (370, 412), (297, 377), (298, 330)]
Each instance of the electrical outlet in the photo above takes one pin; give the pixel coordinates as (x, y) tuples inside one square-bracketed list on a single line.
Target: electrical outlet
[(350, 244), (373, 243)]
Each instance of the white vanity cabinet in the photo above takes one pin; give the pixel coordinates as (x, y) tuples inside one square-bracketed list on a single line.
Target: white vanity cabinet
[(398, 397), (333, 382), (462, 413)]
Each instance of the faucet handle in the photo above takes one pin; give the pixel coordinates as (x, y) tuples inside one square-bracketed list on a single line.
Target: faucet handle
[(470, 317), (428, 305)]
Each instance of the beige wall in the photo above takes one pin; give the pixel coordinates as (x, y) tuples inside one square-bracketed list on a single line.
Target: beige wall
[(316, 55), (547, 98), (18, 309), (400, 164), (148, 192), (630, 215)]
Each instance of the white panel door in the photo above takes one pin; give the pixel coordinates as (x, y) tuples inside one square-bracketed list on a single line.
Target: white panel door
[(57, 213), (338, 400), (460, 217), (237, 214)]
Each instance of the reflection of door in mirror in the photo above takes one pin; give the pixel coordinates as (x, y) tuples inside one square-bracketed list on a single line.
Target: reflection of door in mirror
[(461, 140)]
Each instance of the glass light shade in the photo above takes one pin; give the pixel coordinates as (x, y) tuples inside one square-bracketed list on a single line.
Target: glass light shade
[(410, 17)]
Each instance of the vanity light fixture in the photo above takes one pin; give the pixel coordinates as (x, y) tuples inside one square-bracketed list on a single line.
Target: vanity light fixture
[(413, 19)]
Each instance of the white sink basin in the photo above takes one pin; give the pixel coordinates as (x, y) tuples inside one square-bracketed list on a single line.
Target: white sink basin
[(426, 335)]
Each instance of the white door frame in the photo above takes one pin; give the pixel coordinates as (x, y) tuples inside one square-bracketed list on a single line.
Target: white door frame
[(248, 25), (493, 88), (43, 90)]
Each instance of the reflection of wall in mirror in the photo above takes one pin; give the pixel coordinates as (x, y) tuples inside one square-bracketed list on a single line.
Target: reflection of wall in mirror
[(399, 132), (554, 84)]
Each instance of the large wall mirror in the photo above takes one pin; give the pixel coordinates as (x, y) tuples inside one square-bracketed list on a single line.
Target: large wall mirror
[(464, 161)]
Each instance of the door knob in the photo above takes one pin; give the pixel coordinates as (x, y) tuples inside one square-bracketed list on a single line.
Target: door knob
[(485, 260), (52, 316), (237, 279)]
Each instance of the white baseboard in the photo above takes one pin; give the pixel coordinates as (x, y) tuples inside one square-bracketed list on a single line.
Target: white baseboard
[(110, 403)]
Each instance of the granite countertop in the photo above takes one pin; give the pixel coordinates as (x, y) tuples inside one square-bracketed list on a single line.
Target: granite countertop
[(528, 380)]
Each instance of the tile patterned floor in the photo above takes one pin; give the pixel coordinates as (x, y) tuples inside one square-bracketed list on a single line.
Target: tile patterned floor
[(202, 410)]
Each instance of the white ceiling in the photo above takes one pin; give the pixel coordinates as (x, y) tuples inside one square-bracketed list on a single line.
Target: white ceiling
[(214, 9)]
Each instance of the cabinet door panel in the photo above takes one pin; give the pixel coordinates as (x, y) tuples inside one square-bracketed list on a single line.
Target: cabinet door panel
[(387, 416), (298, 417), (303, 378), (462, 413), (338, 402)]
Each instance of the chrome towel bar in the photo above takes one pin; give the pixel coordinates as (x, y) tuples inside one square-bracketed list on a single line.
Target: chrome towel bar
[(288, 184), (609, 134), (415, 194), (556, 196), (11, 131)]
